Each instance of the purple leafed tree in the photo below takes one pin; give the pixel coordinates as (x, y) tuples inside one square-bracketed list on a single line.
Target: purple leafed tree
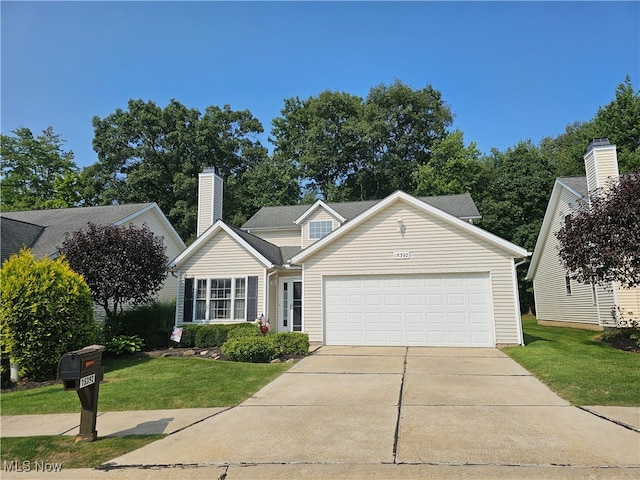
[(600, 241), (120, 264)]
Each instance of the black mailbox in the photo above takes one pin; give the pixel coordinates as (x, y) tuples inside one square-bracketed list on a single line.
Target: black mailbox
[(81, 370), (78, 369)]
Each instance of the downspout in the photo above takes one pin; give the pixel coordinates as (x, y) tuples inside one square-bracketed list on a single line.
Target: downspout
[(517, 298)]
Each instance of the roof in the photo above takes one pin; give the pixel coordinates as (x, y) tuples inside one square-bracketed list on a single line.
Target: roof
[(577, 184), (461, 206), (512, 249), (47, 228)]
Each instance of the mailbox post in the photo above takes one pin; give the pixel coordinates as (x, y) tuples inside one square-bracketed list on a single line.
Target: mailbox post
[(81, 370)]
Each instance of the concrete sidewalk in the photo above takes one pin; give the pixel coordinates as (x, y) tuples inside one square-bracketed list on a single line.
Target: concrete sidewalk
[(355, 412)]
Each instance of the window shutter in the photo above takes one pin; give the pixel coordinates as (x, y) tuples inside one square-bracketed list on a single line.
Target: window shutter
[(187, 312), (252, 299)]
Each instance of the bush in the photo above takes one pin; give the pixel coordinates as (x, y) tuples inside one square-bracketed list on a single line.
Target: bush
[(211, 335), (250, 349), (239, 330), (292, 343), (152, 323), (124, 344), (189, 333), (45, 311)]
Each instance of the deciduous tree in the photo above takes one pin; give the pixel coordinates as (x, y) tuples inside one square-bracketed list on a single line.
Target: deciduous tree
[(120, 264), (600, 241)]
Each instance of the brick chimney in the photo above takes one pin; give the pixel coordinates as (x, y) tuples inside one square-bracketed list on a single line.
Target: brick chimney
[(210, 187), (601, 164)]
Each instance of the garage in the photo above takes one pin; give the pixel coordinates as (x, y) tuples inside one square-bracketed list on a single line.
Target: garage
[(452, 310)]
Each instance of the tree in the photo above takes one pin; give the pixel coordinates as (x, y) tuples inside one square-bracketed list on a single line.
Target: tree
[(154, 154), (36, 172), (324, 136), (600, 241), (45, 311), (120, 264), (452, 169)]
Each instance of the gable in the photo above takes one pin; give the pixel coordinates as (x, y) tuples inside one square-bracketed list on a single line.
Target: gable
[(426, 214)]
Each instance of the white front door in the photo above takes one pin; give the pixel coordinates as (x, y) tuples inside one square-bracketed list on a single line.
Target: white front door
[(290, 311)]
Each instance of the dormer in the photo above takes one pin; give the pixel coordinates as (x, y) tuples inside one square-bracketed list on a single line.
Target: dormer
[(318, 221)]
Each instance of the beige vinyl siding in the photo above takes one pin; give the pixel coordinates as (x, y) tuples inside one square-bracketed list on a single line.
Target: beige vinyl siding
[(628, 300), (158, 226), (601, 165), (435, 246), (221, 257), (205, 203), (280, 237), (552, 302), (319, 215)]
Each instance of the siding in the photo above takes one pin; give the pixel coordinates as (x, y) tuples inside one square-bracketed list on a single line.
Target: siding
[(205, 203), (281, 238), (222, 257), (320, 214), (435, 247), (158, 226), (552, 302), (601, 165), (629, 301)]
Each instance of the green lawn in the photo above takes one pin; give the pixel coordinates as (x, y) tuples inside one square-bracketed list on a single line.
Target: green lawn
[(150, 384), (578, 367)]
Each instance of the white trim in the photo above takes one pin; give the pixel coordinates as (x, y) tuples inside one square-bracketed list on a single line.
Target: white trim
[(516, 298), (316, 205), (210, 233), (516, 251)]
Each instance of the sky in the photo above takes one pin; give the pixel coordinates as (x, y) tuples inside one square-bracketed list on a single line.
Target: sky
[(509, 71)]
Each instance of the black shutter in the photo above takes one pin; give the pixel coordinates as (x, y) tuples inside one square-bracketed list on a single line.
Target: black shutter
[(187, 313), (252, 299)]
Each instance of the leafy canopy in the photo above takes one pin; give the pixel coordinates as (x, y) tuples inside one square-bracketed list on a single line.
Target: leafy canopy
[(45, 311), (600, 241), (120, 264)]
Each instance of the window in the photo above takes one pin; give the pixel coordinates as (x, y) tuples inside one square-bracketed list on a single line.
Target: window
[(320, 228), (221, 299), (567, 284)]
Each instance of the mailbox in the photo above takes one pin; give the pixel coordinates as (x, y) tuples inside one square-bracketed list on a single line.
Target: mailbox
[(81, 370)]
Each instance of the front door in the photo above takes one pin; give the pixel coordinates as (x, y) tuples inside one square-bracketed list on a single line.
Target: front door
[(290, 315)]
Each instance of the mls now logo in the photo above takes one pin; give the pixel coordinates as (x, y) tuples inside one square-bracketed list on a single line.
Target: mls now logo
[(28, 466)]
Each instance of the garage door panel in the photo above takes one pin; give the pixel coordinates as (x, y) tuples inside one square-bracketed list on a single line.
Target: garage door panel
[(436, 310)]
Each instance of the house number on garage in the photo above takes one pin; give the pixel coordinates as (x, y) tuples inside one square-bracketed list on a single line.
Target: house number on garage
[(401, 255)]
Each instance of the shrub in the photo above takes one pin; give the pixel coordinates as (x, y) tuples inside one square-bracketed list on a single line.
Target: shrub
[(211, 335), (124, 344), (152, 323), (250, 349), (239, 330), (189, 333), (45, 311), (292, 343)]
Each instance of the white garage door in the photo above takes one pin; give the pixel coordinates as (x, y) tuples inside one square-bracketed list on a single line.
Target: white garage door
[(431, 310)]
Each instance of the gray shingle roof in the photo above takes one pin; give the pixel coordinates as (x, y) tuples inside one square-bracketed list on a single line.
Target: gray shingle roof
[(461, 206), (55, 223), (16, 235), (268, 250), (579, 184)]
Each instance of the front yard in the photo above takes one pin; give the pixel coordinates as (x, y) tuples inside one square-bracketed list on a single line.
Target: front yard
[(579, 367)]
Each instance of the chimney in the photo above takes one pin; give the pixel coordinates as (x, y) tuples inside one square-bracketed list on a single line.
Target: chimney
[(601, 164), (210, 185)]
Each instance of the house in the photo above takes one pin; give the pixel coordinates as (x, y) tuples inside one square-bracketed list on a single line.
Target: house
[(43, 231), (560, 300), (398, 271)]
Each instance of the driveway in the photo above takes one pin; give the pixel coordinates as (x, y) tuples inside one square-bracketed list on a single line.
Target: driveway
[(395, 412)]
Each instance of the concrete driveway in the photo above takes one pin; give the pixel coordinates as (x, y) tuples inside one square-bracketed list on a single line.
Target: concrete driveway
[(395, 412)]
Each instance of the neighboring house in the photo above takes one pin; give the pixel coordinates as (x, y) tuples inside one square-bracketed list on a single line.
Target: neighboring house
[(43, 231), (559, 299), (398, 271)]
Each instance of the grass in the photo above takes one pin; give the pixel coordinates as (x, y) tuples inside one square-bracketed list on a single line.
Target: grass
[(63, 451), (578, 367), (150, 384), (129, 384)]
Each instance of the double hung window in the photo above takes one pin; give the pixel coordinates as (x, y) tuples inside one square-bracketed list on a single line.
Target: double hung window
[(221, 299)]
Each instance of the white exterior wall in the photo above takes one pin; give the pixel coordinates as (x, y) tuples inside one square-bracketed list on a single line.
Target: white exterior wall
[(221, 257), (280, 237), (552, 302), (320, 214), (435, 247)]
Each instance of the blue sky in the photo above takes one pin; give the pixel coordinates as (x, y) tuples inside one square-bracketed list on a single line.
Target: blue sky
[(509, 71)]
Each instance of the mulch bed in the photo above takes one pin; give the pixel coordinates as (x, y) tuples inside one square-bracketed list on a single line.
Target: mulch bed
[(626, 344)]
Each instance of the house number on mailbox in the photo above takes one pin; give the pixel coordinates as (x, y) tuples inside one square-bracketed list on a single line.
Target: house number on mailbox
[(401, 255), (88, 380)]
